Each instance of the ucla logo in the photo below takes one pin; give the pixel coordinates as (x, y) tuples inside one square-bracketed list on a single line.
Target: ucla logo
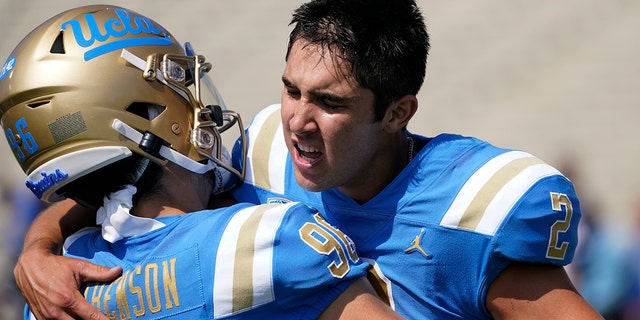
[(278, 200), (8, 66), (48, 180), (111, 34)]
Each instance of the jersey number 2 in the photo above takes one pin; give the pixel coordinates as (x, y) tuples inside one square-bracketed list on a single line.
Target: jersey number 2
[(557, 249)]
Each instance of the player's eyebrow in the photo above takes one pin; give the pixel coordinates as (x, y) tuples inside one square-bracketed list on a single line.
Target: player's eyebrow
[(288, 83), (333, 97), (321, 94)]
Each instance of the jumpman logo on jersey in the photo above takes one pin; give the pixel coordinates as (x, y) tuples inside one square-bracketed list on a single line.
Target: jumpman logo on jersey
[(415, 245)]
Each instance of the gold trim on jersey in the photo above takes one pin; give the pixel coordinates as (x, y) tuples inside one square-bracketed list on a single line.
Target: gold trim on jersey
[(489, 194), (243, 273), (246, 252), (381, 284), (267, 151)]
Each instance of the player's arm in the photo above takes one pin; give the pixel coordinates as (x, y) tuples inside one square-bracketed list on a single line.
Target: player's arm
[(542, 234), (49, 282), (359, 301), (539, 291)]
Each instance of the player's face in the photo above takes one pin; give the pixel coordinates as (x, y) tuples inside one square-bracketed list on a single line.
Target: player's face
[(328, 124)]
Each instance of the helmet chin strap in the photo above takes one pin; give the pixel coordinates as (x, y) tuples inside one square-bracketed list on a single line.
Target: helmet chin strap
[(166, 152)]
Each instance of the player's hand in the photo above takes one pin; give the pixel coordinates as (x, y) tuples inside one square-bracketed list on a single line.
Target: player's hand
[(50, 283)]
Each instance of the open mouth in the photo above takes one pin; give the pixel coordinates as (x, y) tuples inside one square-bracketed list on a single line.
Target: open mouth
[(308, 153)]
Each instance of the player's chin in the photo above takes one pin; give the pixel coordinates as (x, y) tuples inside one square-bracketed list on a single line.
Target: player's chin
[(309, 182)]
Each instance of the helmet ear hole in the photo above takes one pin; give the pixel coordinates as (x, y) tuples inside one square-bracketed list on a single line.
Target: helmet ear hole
[(148, 111), (58, 45), (38, 104)]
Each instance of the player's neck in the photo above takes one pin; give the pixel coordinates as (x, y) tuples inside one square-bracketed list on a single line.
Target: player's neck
[(177, 192), (392, 158), (163, 205), (154, 209)]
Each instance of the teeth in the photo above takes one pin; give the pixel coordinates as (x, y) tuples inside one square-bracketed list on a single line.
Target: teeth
[(307, 148)]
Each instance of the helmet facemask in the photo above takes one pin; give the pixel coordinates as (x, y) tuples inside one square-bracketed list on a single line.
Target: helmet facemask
[(211, 118)]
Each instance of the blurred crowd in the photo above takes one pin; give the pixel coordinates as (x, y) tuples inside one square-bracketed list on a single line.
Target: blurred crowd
[(18, 207), (606, 267)]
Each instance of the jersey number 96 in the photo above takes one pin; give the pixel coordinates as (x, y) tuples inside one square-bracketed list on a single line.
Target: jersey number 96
[(21, 137), (326, 239)]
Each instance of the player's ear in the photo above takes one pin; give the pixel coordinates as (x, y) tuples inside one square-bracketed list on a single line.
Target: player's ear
[(400, 112)]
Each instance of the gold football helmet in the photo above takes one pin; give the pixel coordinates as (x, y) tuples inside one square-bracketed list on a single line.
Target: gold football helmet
[(93, 84)]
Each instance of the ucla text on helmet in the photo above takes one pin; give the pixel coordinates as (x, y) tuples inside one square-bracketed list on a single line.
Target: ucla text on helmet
[(116, 29)]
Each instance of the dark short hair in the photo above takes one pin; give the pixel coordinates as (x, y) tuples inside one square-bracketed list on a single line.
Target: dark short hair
[(90, 189), (384, 42)]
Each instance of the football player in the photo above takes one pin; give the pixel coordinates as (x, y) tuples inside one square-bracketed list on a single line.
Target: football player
[(102, 105), (454, 227)]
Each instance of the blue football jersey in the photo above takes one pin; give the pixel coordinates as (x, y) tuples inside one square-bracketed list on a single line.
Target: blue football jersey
[(279, 261), (442, 231)]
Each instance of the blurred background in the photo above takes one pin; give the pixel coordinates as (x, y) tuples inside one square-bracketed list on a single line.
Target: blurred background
[(556, 78)]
